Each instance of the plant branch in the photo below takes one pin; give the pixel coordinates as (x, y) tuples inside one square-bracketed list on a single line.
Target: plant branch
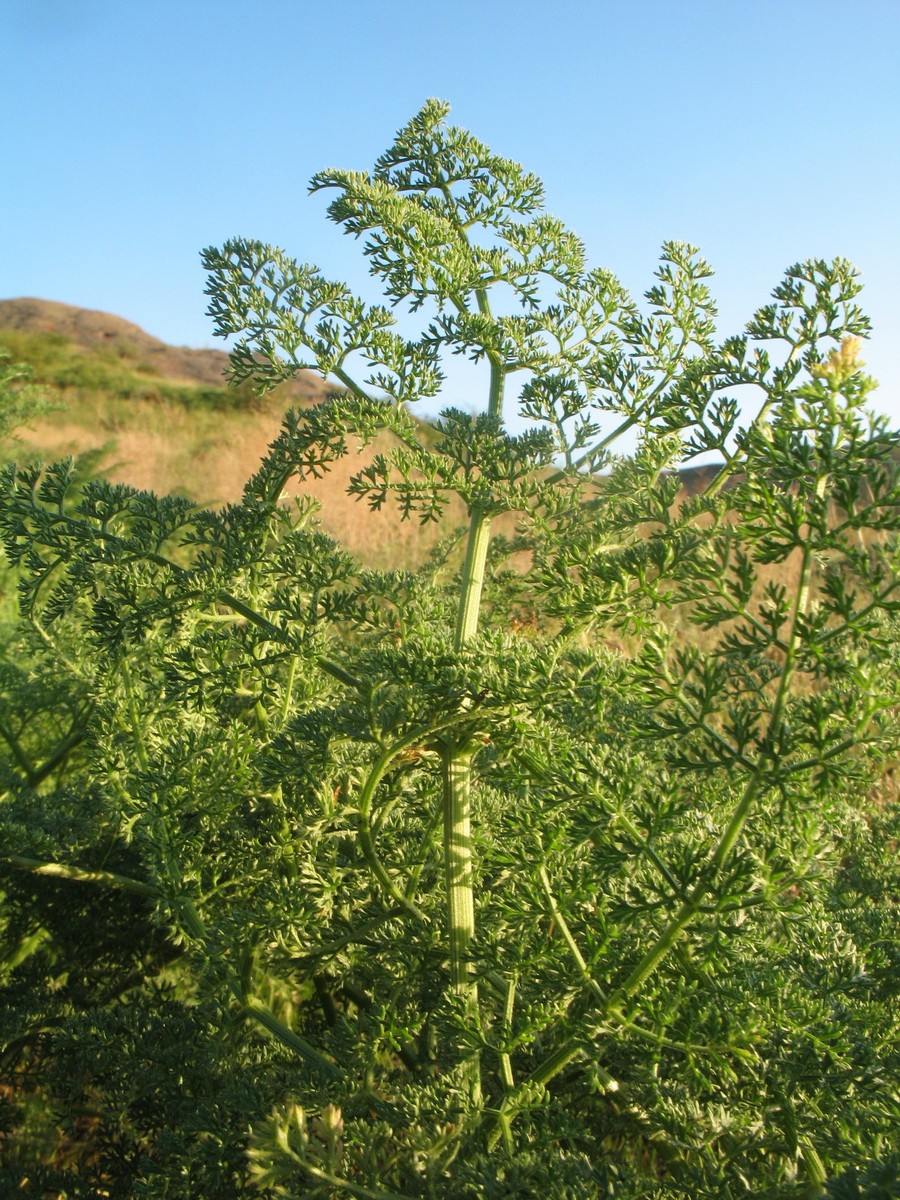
[(366, 840), (82, 875), (568, 938)]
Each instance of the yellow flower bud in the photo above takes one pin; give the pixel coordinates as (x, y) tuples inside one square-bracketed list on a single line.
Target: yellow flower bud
[(841, 364)]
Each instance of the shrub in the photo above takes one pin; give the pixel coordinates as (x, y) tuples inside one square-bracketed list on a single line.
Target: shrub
[(418, 884)]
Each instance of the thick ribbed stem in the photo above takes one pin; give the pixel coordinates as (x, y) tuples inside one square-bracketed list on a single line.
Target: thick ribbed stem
[(457, 790), (473, 577), (457, 769), (458, 867)]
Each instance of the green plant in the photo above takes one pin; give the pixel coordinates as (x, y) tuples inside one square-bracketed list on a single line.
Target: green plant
[(522, 913), (21, 399)]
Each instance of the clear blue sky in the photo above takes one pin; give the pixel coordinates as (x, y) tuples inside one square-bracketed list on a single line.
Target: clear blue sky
[(134, 134)]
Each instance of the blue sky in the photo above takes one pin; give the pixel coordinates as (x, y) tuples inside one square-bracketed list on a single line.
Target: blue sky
[(136, 133)]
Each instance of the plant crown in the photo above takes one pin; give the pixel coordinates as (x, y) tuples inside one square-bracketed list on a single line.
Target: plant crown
[(546, 869)]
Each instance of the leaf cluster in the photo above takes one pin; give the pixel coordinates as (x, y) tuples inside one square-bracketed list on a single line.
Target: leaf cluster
[(668, 726)]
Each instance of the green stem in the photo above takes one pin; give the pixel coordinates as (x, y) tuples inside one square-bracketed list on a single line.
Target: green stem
[(670, 936), (498, 1121), (473, 577), (358, 936), (566, 932), (80, 875), (288, 691), (58, 756), (136, 731), (726, 470), (506, 1070), (425, 847), (689, 909), (223, 597), (366, 796), (617, 817), (732, 832), (457, 766), (285, 835), (194, 925), (337, 672), (45, 637), (458, 867), (25, 764), (355, 1189), (623, 427)]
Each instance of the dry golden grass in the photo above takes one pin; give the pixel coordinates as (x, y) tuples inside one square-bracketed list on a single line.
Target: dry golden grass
[(165, 422)]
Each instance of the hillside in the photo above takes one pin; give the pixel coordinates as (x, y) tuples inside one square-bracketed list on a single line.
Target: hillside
[(163, 418), (83, 335)]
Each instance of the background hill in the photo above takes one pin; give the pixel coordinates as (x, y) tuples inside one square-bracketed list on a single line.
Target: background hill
[(161, 417), (113, 340)]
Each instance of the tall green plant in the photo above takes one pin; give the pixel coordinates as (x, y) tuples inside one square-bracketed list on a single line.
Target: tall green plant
[(451, 226), (523, 910)]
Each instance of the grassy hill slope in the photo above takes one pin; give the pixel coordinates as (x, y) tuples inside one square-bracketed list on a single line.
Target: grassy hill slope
[(161, 417)]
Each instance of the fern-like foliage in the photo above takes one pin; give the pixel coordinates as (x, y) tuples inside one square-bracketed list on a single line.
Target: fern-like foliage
[(561, 879)]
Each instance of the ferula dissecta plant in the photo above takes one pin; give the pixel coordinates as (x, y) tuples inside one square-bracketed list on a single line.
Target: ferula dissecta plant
[(555, 880)]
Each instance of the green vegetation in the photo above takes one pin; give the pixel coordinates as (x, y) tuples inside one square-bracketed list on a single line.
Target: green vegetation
[(21, 399), (119, 371), (331, 882)]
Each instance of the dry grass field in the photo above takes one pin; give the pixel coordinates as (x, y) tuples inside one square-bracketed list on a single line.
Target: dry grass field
[(163, 420)]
